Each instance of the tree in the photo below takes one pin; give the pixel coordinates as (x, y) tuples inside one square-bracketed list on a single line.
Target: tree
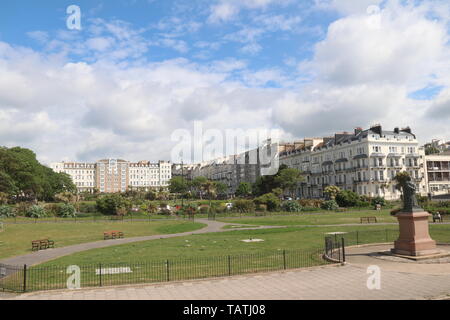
[(221, 188), (111, 204), (266, 184), (178, 185), (197, 185), (243, 190), (288, 179), (332, 191), (431, 150)]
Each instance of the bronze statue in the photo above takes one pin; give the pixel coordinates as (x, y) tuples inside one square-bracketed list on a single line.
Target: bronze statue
[(409, 196)]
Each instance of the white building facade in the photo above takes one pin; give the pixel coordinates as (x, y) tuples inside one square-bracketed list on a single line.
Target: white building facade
[(116, 175), (365, 161)]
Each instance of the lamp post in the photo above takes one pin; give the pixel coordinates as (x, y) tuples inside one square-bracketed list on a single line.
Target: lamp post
[(182, 182)]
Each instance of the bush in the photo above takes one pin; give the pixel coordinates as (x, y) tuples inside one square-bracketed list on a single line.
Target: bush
[(52, 209), (291, 206), (311, 203), (6, 212), (110, 204), (261, 208), (330, 205), (189, 209), (378, 200), (204, 209), (347, 198), (244, 206), (66, 210), (270, 200), (35, 211), (165, 212), (86, 207), (395, 211), (22, 208)]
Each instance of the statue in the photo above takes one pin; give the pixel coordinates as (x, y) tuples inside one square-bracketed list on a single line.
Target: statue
[(409, 197)]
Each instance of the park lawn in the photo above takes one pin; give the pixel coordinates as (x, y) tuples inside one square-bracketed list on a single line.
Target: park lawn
[(208, 255), (16, 238), (316, 218)]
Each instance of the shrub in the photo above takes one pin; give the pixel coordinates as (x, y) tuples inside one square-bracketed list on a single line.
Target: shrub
[(261, 208), (110, 204), (347, 198), (244, 206), (66, 210), (395, 211), (330, 205), (86, 207), (270, 200), (378, 200), (6, 211), (291, 206), (35, 211), (22, 208), (312, 203), (189, 209), (204, 209), (52, 209)]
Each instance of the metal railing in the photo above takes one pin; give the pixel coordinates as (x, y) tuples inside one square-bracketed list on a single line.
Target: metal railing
[(25, 279)]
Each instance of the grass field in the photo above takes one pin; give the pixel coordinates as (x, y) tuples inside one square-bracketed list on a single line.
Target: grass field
[(16, 238), (314, 218)]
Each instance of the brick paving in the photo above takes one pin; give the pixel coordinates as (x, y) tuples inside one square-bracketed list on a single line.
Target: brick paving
[(325, 283)]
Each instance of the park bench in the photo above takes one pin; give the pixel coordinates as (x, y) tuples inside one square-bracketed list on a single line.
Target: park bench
[(368, 219), (113, 235), (437, 218), (42, 244)]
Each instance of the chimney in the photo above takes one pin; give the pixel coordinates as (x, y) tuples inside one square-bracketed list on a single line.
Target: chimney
[(376, 128), (358, 130), (407, 130), (396, 130)]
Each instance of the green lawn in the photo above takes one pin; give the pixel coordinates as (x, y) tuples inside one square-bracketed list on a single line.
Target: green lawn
[(16, 238), (316, 218)]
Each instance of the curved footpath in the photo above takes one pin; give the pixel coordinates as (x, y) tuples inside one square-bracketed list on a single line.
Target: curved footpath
[(39, 257)]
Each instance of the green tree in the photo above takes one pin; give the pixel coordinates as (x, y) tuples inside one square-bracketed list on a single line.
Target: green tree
[(431, 150), (288, 180), (110, 204), (243, 190), (221, 188), (197, 185), (178, 185)]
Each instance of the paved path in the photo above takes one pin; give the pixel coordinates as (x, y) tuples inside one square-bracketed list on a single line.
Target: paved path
[(325, 283), (50, 254)]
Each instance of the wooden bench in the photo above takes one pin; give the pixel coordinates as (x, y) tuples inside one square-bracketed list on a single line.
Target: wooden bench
[(42, 244), (113, 235), (368, 219)]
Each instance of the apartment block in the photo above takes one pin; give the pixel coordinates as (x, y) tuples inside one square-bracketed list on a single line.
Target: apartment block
[(364, 161), (116, 175), (83, 174), (438, 173)]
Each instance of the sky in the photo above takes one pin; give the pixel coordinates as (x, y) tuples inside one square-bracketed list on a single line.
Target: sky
[(139, 70)]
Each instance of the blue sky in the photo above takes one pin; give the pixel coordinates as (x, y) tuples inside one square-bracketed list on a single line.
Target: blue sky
[(139, 70)]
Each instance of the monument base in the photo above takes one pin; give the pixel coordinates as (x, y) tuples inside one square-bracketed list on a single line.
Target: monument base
[(414, 238)]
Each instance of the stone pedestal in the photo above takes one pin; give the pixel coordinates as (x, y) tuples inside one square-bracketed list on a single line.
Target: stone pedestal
[(414, 238)]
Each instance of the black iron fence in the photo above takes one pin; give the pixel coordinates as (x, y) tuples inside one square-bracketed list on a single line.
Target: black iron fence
[(23, 279)]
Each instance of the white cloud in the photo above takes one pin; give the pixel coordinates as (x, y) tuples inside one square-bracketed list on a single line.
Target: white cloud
[(399, 46), (225, 10)]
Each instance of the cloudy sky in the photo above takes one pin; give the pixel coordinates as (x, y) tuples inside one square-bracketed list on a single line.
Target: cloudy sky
[(139, 70)]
